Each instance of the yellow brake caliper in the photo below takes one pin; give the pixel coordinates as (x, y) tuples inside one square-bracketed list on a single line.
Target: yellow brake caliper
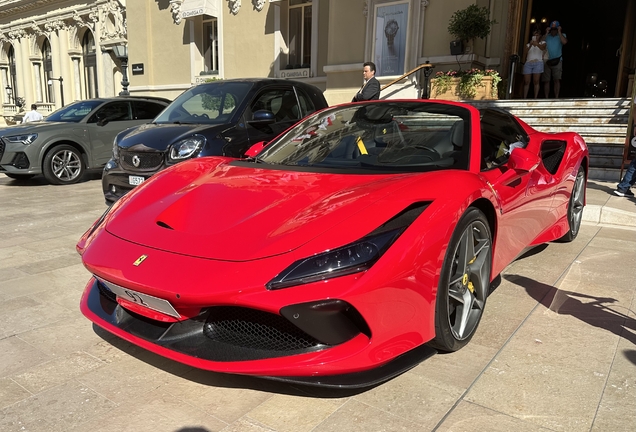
[(468, 283)]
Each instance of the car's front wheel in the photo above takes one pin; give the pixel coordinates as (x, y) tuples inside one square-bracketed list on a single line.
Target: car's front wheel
[(63, 165), (464, 282), (575, 206)]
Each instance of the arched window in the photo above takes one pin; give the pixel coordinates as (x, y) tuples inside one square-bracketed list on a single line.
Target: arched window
[(90, 65), (47, 64), (13, 80)]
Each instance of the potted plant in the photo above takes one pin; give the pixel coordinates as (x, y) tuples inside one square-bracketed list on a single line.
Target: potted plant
[(470, 23), (470, 84)]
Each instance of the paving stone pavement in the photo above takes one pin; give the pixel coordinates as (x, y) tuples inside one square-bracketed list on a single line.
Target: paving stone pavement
[(556, 349)]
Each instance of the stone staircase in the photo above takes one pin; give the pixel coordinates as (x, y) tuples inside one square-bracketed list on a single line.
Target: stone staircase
[(601, 122)]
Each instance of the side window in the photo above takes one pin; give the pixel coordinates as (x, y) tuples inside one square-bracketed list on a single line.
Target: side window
[(281, 102), (306, 105), (145, 110), (499, 135), (111, 112)]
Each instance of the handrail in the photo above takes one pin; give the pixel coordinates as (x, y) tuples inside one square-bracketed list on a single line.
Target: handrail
[(422, 66)]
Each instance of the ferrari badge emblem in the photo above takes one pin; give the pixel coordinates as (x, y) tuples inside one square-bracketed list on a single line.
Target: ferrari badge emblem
[(464, 278), (140, 260)]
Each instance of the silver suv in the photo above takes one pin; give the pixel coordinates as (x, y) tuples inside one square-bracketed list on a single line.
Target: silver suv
[(73, 139)]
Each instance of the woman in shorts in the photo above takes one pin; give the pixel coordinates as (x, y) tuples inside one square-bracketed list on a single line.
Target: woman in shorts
[(533, 67)]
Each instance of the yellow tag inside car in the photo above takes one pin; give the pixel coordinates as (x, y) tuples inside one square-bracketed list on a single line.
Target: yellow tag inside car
[(361, 146)]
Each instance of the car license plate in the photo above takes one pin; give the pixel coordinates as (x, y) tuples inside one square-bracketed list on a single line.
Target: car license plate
[(151, 302), (136, 180)]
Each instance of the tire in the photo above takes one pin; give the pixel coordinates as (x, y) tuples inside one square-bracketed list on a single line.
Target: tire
[(19, 176), (575, 207), (464, 282), (63, 165)]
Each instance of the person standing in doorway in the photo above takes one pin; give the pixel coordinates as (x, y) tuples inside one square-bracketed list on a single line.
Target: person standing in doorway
[(32, 115), (533, 67), (553, 68), (370, 90)]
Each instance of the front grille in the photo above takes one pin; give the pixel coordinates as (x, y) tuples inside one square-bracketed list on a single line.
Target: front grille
[(1, 149), (250, 328), (147, 160), (106, 292)]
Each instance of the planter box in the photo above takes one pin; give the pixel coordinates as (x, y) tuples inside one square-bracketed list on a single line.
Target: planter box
[(484, 91)]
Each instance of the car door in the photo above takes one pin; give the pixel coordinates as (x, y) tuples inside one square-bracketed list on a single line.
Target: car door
[(282, 102), (103, 125), (525, 201)]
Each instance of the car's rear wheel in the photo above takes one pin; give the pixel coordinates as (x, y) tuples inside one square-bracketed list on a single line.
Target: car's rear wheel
[(464, 282), (575, 206), (19, 176), (63, 165)]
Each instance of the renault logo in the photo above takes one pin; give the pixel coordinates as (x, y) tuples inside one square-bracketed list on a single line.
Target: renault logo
[(136, 161)]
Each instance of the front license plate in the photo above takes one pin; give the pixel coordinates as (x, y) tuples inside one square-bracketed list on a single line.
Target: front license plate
[(151, 302), (136, 180)]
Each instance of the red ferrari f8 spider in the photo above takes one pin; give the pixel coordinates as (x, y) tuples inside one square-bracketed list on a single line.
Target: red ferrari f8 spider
[(344, 252)]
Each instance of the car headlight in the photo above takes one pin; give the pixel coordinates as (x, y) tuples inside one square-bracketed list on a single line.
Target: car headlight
[(186, 148), (115, 149), (22, 139), (352, 258)]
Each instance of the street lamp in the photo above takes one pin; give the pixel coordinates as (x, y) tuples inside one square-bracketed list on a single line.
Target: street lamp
[(9, 91), (121, 52), (61, 80)]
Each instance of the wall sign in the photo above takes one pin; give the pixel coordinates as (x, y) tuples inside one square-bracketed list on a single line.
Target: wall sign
[(138, 69)]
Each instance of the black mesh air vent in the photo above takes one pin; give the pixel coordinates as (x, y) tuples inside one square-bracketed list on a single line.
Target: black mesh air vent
[(145, 160), (106, 292), (1, 148), (552, 154), (255, 329)]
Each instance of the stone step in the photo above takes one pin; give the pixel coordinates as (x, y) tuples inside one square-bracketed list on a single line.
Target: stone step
[(614, 150), (601, 161), (557, 118), (606, 174), (554, 104)]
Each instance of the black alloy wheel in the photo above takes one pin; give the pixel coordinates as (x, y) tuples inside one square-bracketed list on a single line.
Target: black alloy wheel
[(575, 206), (464, 282)]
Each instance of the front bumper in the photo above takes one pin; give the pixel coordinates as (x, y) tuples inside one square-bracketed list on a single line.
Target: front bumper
[(116, 182), (321, 350)]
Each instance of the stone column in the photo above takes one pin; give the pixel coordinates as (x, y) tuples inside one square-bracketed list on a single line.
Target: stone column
[(37, 67), (4, 71), (77, 78)]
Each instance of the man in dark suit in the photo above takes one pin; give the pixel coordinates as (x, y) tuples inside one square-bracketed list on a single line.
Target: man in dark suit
[(370, 90)]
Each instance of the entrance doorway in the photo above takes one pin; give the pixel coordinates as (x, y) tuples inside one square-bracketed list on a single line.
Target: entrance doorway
[(595, 37)]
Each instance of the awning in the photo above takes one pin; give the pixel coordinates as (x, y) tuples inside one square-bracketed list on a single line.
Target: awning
[(193, 8)]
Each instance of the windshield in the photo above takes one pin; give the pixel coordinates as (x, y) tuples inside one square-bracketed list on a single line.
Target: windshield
[(212, 103), (402, 136), (75, 112)]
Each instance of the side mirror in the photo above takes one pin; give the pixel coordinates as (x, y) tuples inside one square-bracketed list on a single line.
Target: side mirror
[(522, 160), (263, 117), (520, 163), (255, 149)]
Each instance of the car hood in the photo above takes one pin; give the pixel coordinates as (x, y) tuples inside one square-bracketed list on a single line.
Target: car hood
[(239, 213), (160, 136), (37, 127)]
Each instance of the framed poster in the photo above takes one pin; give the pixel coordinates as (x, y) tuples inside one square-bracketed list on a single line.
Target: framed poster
[(389, 52)]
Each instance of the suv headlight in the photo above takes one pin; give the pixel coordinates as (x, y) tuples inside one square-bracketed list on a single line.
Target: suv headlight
[(115, 150), (21, 139), (186, 148)]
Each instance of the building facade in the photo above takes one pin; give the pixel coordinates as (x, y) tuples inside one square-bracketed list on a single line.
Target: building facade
[(62, 50), (323, 42), (53, 52)]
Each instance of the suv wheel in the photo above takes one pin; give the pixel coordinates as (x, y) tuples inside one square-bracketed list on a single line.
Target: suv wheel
[(63, 165)]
